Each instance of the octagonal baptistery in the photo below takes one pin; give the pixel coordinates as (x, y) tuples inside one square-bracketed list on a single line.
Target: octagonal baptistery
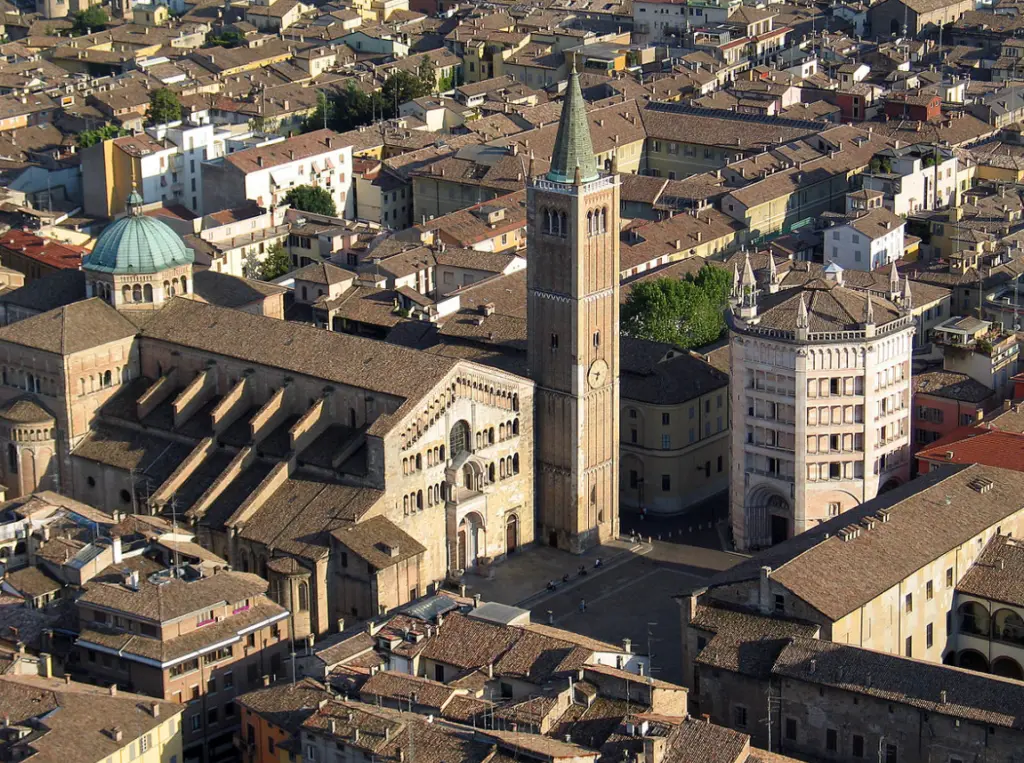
[(138, 262)]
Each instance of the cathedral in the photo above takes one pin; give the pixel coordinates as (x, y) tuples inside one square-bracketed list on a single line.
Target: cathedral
[(353, 474)]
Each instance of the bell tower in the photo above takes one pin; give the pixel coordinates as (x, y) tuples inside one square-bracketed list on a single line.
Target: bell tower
[(573, 345)]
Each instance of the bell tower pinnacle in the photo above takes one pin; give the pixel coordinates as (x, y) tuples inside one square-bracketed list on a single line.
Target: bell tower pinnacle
[(573, 344)]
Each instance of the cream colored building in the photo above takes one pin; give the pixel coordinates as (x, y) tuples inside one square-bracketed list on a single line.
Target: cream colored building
[(674, 432), (50, 717), (909, 554), (820, 402)]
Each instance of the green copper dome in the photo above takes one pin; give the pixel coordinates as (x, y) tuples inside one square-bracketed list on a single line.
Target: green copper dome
[(137, 244), (573, 147)]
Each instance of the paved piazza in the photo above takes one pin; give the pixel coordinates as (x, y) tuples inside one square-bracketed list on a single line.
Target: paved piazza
[(630, 596)]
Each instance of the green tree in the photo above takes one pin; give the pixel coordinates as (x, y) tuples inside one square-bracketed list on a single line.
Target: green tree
[(88, 138), (164, 107), (351, 107), (227, 39), (716, 283), (427, 72), (322, 116), (275, 264), (92, 19), (313, 199), (401, 87), (688, 312)]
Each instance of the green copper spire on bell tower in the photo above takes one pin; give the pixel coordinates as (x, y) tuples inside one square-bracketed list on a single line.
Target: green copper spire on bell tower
[(573, 147)]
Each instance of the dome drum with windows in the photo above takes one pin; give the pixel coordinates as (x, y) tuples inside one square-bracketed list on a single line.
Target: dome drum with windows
[(138, 261)]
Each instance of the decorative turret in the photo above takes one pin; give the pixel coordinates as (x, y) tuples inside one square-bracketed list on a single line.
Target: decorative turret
[(748, 291), (906, 300), (573, 157), (803, 321), (894, 283), (774, 282), (869, 314)]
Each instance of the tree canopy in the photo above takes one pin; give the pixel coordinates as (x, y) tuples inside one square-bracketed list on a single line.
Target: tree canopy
[(350, 108), (275, 264), (88, 138), (427, 72), (688, 312), (313, 199), (92, 19), (228, 39), (164, 107)]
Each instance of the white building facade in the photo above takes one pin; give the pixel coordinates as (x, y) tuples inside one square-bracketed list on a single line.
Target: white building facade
[(866, 241), (914, 178), (266, 173), (820, 405)]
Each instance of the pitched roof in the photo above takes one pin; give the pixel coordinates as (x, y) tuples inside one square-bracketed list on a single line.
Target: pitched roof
[(998, 573), (830, 307), (70, 329), (355, 361), (388, 684), (323, 272), (876, 223), (172, 598), (51, 291), (952, 385), (744, 642), (927, 517), (658, 373), (283, 152), (993, 447), (286, 705), (969, 695), (718, 128), (32, 581), (78, 717), (379, 541), (25, 409)]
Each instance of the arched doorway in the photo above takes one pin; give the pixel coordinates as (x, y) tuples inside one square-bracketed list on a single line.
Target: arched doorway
[(511, 534), (767, 516), (894, 27), (1007, 667), (972, 660), (469, 541)]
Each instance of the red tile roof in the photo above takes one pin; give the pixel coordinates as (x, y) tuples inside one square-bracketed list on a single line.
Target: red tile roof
[(975, 445), (49, 252)]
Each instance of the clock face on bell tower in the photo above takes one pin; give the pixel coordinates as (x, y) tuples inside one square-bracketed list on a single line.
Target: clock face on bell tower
[(598, 375)]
